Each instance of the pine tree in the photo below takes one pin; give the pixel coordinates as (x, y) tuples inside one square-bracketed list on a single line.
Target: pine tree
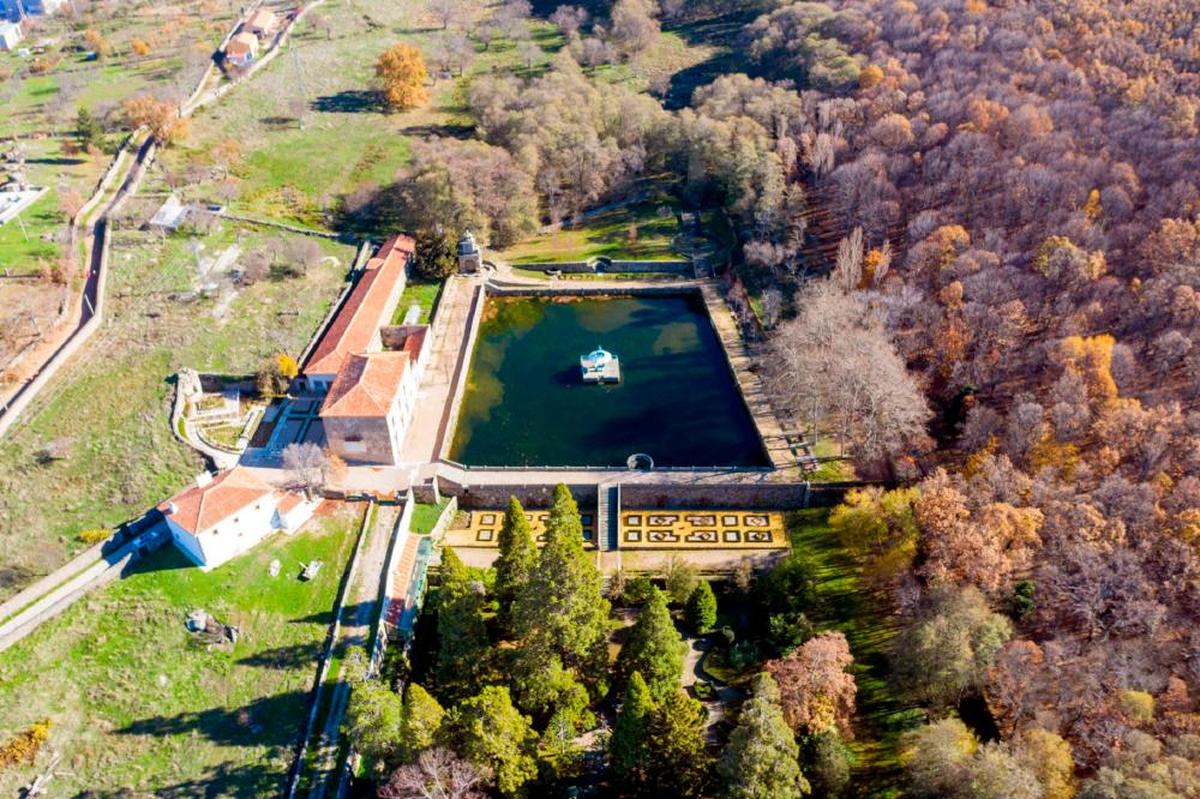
[(627, 748), (702, 608), (654, 648), (761, 760), (563, 607), (463, 643), (518, 557), (420, 721), (679, 764), (373, 721), (488, 731), (88, 128)]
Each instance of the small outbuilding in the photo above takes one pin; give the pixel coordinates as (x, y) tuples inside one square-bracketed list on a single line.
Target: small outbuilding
[(10, 35), (262, 23), (470, 258), (242, 49)]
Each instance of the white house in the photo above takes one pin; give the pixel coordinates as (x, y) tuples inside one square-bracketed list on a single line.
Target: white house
[(242, 49), (223, 515), (10, 35)]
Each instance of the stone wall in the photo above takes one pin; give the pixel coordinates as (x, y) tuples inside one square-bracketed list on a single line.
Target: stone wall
[(665, 494), (611, 266), (566, 267), (530, 496), (359, 439), (655, 267)]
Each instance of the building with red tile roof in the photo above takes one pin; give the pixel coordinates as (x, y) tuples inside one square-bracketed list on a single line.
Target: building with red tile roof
[(369, 406), (225, 514), (368, 307), (242, 49), (261, 23)]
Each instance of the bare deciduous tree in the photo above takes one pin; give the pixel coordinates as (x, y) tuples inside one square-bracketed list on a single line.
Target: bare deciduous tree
[(307, 467), (834, 366), (437, 774)]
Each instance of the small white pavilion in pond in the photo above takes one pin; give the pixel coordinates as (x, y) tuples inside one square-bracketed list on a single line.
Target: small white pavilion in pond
[(600, 366)]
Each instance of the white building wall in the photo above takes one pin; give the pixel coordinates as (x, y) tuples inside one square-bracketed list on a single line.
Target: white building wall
[(295, 518), (230, 537)]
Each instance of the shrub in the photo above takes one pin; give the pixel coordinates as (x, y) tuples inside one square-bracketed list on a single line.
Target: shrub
[(638, 591), (701, 610), (24, 746), (95, 536)]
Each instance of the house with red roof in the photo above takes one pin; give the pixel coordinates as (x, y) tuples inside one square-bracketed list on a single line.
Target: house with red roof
[(223, 515), (367, 368), (369, 406), (368, 308)]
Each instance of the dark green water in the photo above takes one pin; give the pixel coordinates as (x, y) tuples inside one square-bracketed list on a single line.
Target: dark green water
[(527, 406)]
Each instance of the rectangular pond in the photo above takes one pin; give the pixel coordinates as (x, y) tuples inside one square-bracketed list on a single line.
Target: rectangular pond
[(526, 403)]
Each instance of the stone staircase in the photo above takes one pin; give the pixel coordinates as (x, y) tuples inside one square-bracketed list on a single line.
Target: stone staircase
[(608, 511)]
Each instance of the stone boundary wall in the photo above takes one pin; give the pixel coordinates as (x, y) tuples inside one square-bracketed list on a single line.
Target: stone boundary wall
[(531, 496), (573, 289), (24, 396), (566, 267), (314, 697), (659, 267), (290, 228), (604, 265)]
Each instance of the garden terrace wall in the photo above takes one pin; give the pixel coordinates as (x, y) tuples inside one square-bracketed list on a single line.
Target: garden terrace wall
[(664, 493), (529, 495)]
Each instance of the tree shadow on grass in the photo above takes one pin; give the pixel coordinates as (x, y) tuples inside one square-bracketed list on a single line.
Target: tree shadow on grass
[(247, 781), (271, 721), (291, 657), (351, 101), (278, 122), (446, 131)]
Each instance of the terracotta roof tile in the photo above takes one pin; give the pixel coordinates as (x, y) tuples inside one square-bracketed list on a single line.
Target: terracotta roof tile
[(364, 310), (366, 385), (200, 507)]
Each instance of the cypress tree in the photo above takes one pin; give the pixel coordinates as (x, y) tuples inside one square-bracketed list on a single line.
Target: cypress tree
[(563, 607), (628, 746), (654, 649), (463, 643), (518, 556), (702, 608), (487, 730), (420, 720), (679, 761)]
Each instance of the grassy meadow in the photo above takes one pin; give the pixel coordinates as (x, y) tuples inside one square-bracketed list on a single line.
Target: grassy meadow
[(139, 706), (109, 407)]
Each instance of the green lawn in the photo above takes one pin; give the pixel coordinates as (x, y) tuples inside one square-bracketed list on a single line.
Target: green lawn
[(31, 237), (311, 126), (424, 294), (139, 706), (111, 403), (636, 232), (425, 517), (849, 605)]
